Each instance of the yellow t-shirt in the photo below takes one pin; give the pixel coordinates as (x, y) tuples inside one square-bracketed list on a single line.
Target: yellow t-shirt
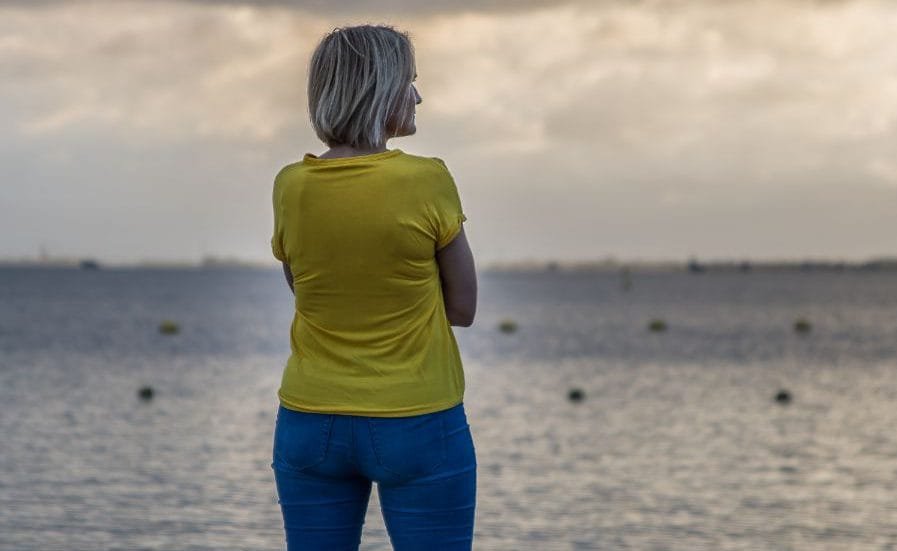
[(370, 334)]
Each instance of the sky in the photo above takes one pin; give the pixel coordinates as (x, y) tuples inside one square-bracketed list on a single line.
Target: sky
[(639, 130)]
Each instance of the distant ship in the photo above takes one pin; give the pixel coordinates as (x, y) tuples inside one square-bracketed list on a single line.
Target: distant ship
[(89, 264)]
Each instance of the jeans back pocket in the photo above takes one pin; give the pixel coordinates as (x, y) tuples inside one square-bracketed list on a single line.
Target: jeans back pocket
[(300, 439), (409, 447)]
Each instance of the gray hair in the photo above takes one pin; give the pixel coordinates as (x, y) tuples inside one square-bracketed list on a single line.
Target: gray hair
[(358, 80)]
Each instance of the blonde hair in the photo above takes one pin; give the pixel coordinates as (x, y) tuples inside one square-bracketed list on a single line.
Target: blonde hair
[(358, 80)]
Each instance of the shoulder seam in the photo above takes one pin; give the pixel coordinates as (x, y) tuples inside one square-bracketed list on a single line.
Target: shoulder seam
[(440, 164), (288, 167)]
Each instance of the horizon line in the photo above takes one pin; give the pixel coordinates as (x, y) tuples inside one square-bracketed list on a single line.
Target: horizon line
[(691, 262)]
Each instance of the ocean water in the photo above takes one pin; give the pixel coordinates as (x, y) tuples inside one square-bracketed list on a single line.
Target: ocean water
[(677, 444)]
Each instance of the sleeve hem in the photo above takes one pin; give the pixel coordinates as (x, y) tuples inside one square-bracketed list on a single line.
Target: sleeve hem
[(453, 232), (275, 250)]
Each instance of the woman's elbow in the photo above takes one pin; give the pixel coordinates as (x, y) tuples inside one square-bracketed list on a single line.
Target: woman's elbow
[(459, 280), (461, 317)]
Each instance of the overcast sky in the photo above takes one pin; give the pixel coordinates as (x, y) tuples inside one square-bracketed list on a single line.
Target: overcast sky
[(640, 130)]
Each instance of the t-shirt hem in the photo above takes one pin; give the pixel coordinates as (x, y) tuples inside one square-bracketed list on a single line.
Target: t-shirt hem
[(395, 412)]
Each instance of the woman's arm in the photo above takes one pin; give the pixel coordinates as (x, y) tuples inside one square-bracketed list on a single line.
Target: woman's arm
[(459, 280), (289, 275)]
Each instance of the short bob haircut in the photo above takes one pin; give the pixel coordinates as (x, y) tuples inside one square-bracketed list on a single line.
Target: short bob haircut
[(358, 82)]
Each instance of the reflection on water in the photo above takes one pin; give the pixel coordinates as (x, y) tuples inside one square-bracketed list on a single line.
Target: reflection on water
[(677, 444)]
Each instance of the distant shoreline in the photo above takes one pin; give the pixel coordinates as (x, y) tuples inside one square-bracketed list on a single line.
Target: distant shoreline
[(696, 267), (691, 265)]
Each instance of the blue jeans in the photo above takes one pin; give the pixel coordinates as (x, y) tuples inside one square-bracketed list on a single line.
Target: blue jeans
[(424, 466)]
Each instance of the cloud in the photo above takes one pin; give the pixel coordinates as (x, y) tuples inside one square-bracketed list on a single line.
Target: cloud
[(192, 72), (326, 8), (616, 113)]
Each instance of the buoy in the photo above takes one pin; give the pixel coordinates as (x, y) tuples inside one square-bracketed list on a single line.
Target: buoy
[(657, 325), (507, 326), (802, 326), (169, 327), (145, 393), (576, 395), (783, 396)]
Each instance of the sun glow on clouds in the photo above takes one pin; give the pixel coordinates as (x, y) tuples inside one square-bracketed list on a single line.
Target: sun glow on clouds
[(155, 68), (629, 106), (230, 71)]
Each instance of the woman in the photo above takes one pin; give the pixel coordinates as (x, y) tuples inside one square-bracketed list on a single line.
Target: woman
[(373, 247)]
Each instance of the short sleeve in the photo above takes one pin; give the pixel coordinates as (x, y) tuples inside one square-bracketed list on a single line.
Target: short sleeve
[(448, 215), (277, 238)]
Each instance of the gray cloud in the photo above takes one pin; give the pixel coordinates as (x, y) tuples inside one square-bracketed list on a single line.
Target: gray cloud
[(627, 128), (352, 8)]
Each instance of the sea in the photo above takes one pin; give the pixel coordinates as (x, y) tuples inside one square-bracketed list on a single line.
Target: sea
[(664, 410)]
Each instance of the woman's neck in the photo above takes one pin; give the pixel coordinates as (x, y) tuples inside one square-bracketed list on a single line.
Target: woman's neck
[(338, 151)]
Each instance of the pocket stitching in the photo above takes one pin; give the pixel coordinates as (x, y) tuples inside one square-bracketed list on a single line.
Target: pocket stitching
[(325, 440), (323, 443)]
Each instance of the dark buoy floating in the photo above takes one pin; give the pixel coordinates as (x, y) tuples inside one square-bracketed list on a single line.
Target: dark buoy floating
[(783, 397), (169, 327), (507, 326), (802, 326), (145, 393), (576, 395), (657, 326)]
